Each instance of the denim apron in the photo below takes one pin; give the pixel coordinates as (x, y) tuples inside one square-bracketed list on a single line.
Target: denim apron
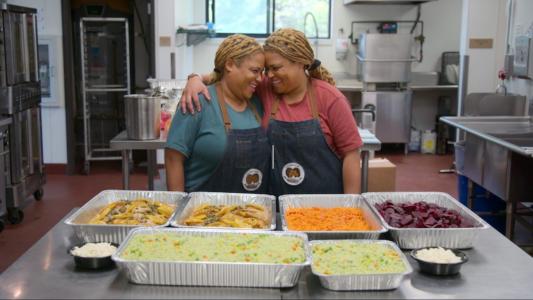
[(244, 167), (302, 161)]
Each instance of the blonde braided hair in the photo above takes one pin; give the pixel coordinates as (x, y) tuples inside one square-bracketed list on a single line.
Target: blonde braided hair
[(236, 47), (294, 46)]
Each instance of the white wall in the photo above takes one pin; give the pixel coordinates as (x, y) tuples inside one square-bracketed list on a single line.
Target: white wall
[(53, 118), (442, 29), (521, 24), (484, 19), (442, 20)]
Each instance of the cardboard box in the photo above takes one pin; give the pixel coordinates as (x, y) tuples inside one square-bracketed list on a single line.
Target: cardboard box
[(381, 175)]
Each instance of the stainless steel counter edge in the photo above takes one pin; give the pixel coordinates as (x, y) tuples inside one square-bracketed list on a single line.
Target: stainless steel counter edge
[(121, 142), (496, 269), (357, 86), (354, 88), (452, 121)]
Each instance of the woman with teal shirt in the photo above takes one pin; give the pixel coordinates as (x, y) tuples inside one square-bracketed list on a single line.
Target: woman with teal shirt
[(223, 147)]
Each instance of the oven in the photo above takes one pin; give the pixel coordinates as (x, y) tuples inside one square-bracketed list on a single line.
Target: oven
[(3, 70), (19, 43), (25, 142), (20, 98)]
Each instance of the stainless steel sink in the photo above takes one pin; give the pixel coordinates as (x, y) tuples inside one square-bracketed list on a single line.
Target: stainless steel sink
[(498, 155), (490, 104), (524, 140), (513, 133)]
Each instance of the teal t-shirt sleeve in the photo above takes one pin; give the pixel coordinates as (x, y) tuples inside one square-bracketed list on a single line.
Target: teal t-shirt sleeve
[(183, 131)]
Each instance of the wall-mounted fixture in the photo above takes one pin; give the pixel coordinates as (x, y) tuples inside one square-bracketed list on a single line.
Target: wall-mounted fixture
[(48, 70), (194, 34), (523, 58)]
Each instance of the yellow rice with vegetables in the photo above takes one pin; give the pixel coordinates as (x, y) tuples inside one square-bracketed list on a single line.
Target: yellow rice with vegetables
[(352, 258), (249, 247)]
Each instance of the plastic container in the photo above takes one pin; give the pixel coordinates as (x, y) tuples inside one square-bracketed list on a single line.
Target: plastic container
[(440, 269), (414, 143), (429, 141), (92, 263), (483, 202)]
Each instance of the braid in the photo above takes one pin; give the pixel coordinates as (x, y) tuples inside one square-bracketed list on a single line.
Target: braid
[(236, 47), (293, 45), (322, 74)]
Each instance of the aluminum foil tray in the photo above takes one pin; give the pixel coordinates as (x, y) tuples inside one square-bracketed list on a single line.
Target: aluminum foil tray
[(115, 233), (198, 198), (210, 273), (414, 238), (386, 281), (330, 201)]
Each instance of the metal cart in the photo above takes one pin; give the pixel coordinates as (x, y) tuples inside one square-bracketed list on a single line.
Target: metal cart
[(105, 80)]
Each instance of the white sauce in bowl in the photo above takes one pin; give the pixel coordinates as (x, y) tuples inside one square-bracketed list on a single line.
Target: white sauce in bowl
[(438, 255), (94, 250)]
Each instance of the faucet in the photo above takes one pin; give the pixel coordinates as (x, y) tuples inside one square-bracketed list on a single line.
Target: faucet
[(316, 29)]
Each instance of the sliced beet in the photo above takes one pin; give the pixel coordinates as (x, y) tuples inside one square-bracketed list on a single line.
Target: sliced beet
[(421, 215)]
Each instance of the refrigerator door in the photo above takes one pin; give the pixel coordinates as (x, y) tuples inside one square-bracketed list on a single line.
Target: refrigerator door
[(393, 115)]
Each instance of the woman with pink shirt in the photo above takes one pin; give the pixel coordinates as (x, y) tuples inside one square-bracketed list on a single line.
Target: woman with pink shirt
[(314, 137)]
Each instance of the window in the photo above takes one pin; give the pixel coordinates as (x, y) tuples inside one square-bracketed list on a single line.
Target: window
[(259, 18)]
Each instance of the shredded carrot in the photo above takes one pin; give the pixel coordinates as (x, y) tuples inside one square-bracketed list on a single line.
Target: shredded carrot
[(326, 219)]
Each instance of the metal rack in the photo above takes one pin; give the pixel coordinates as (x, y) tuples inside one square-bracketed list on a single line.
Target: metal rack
[(105, 79)]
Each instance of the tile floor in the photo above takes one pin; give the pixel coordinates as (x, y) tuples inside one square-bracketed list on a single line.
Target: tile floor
[(415, 172)]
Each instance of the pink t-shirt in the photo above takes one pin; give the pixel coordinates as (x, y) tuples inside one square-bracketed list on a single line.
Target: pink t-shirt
[(335, 114)]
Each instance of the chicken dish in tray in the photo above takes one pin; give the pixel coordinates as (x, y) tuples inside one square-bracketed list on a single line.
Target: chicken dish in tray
[(240, 216), (135, 212)]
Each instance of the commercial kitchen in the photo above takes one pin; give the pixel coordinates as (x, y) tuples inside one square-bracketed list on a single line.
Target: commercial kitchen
[(442, 95)]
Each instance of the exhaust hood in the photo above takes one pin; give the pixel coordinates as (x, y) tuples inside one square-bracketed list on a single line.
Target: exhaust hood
[(350, 2)]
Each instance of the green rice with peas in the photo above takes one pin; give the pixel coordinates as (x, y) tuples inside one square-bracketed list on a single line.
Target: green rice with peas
[(227, 247), (352, 258)]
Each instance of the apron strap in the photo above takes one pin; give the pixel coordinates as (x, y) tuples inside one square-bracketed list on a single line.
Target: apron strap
[(223, 109), (254, 110), (312, 102), (275, 107)]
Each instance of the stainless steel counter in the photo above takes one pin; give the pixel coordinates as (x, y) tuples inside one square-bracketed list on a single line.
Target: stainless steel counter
[(125, 145), (496, 269), (121, 142), (499, 156), (513, 133)]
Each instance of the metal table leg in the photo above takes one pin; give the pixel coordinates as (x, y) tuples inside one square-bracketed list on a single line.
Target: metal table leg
[(470, 195), (151, 166), (126, 169), (364, 171), (509, 221)]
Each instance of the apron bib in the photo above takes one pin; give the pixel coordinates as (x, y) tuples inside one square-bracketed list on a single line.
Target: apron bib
[(244, 167), (302, 161)]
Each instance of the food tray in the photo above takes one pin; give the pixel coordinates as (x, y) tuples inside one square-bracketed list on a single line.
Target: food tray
[(330, 201), (203, 273), (385, 281), (198, 198), (91, 233), (414, 238)]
